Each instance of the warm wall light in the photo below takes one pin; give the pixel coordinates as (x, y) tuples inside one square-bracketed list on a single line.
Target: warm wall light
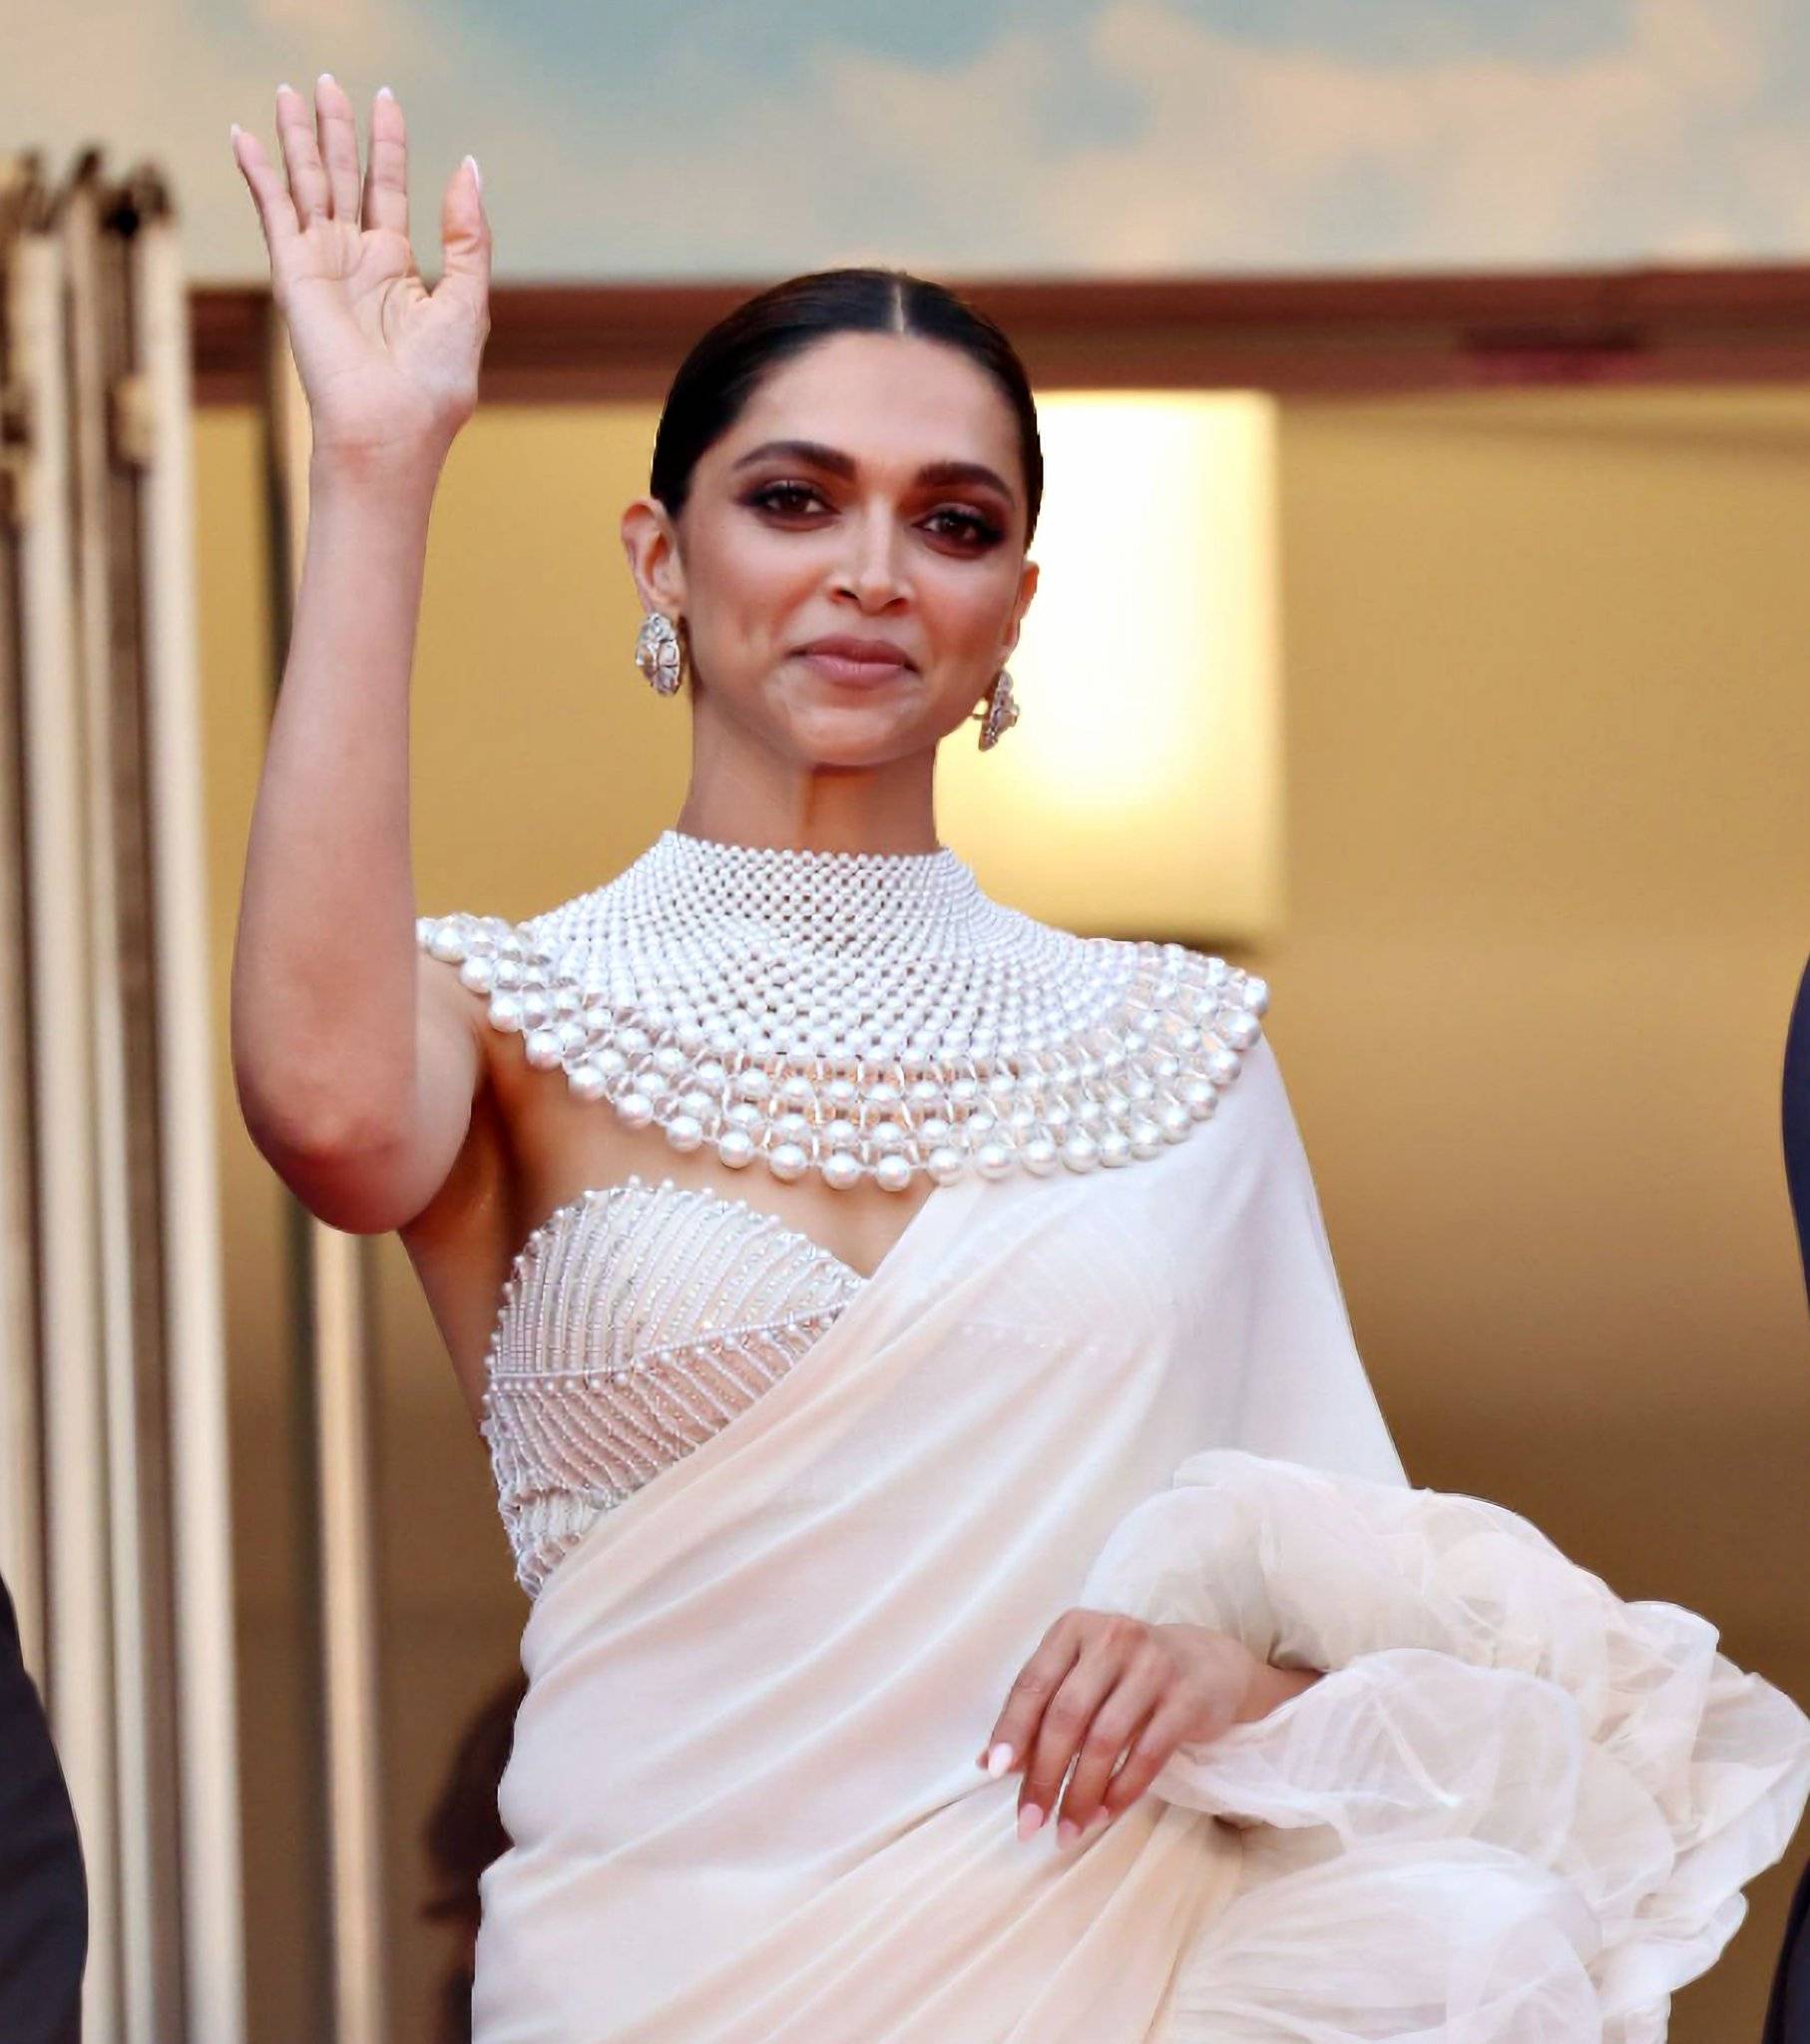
[(1139, 792)]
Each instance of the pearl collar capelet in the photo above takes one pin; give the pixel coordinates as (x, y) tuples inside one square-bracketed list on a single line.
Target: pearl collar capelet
[(860, 1014)]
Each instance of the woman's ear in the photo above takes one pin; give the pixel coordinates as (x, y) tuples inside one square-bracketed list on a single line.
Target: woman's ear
[(1027, 588), (651, 542)]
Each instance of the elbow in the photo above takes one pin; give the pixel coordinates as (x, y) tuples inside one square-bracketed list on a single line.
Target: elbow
[(339, 1169)]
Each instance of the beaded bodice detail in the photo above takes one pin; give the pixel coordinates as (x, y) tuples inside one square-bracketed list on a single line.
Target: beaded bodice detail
[(862, 1015), (637, 1322)]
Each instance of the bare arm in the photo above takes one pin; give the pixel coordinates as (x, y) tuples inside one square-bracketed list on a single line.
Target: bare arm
[(355, 1057)]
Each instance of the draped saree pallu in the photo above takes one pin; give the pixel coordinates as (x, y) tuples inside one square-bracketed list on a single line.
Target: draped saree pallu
[(744, 1800)]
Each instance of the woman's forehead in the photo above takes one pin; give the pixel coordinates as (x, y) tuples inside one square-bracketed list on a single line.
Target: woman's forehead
[(882, 398)]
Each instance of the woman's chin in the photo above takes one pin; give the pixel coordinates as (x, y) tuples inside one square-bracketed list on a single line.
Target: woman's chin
[(861, 734)]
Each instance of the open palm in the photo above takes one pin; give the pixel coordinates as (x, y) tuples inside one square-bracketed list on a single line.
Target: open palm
[(388, 366)]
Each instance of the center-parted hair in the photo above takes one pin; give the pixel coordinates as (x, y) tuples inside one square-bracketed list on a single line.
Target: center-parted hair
[(726, 365)]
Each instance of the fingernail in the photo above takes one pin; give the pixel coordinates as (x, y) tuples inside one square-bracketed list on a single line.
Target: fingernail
[(286, 88), (1027, 1820), (326, 78), (999, 1759), (476, 174), (232, 131), (1099, 1818), (1066, 1831), (384, 93)]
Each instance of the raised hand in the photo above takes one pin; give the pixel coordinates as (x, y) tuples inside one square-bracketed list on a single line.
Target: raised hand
[(390, 369)]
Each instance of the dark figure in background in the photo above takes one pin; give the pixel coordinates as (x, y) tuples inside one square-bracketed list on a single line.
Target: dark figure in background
[(463, 1835), (1788, 2012), (43, 1885)]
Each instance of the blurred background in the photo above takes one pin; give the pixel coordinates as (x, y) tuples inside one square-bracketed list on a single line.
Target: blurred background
[(1427, 403)]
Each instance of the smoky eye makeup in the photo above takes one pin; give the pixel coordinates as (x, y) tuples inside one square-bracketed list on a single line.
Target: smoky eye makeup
[(979, 530), (782, 496), (974, 530)]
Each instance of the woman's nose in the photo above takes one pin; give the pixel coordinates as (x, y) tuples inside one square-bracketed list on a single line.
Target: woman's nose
[(874, 573)]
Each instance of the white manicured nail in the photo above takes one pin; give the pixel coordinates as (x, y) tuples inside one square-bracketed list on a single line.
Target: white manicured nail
[(999, 1759)]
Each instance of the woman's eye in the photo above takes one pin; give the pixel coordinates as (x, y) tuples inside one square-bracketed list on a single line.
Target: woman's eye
[(769, 498), (970, 527)]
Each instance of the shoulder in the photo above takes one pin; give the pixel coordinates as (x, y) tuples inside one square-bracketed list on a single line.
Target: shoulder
[(1196, 1000), (492, 951)]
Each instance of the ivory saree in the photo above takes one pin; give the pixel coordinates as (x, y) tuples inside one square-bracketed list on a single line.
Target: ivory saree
[(744, 1797)]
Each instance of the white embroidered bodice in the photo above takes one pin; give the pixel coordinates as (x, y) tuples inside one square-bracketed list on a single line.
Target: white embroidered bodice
[(636, 1320)]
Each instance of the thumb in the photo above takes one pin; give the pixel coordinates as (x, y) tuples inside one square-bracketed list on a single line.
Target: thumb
[(465, 241)]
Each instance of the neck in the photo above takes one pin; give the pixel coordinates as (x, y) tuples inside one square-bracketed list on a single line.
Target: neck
[(745, 796)]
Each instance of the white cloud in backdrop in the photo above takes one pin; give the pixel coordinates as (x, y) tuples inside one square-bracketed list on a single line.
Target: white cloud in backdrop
[(753, 138)]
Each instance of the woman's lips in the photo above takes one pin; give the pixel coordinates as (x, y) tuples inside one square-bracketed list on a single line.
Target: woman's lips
[(837, 667)]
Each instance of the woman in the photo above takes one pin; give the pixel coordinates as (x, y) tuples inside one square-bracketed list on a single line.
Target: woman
[(926, 1395)]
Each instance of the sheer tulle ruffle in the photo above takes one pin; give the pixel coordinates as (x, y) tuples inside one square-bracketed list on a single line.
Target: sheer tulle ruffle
[(1516, 1809)]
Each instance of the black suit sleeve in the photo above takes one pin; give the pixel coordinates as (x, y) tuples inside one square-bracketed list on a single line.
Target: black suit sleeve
[(1788, 2011), (43, 1889)]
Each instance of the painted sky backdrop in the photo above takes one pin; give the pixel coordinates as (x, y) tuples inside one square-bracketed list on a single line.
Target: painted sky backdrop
[(755, 138)]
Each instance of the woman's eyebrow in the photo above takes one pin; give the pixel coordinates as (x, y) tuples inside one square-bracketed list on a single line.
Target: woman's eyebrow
[(839, 463)]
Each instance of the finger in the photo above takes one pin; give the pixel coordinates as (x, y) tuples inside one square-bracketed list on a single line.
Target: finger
[(301, 156), (386, 174), (1157, 1738), (276, 209), (1116, 1723), (1066, 1724), (1033, 1685), (465, 243), (338, 143)]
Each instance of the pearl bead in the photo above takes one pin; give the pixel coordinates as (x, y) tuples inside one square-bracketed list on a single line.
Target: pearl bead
[(893, 1174), (993, 1160), (787, 1161), (945, 1166), (684, 1132), (737, 1148), (1080, 1152)]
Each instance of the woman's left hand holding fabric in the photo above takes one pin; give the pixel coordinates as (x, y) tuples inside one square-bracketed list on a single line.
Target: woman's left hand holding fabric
[(1103, 1684)]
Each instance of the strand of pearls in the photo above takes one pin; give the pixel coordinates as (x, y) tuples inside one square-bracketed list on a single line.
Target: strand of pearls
[(860, 1014)]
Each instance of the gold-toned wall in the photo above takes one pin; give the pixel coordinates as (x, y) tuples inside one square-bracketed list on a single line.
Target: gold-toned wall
[(1546, 748), (1549, 753)]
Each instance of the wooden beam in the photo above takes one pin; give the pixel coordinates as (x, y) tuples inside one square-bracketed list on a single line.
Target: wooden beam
[(562, 343)]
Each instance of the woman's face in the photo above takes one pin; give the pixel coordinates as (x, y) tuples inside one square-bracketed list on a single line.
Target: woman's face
[(871, 489)]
